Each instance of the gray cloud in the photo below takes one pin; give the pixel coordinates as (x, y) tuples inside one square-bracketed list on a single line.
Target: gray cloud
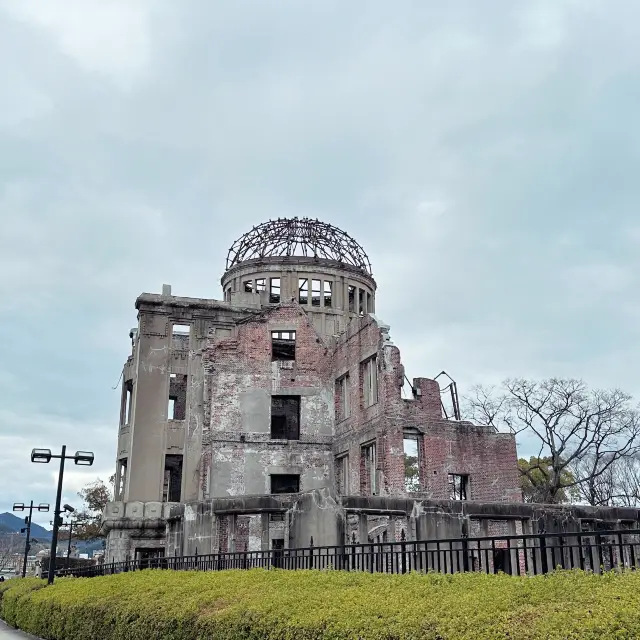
[(483, 153)]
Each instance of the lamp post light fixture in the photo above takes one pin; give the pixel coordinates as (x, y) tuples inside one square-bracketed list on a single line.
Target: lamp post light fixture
[(20, 506), (70, 525), (83, 458)]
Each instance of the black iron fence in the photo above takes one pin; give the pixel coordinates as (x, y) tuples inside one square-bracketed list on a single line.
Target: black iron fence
[(514, 554)]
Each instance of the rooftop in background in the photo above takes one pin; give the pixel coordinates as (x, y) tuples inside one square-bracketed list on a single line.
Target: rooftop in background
[(303, 237)]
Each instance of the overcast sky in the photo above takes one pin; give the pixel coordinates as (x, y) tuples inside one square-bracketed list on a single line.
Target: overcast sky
[(485, 154)]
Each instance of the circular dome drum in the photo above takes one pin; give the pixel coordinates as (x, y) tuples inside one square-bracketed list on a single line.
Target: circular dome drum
[(311, 262)]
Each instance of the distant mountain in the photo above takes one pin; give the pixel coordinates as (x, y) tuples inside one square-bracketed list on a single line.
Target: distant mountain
[(10, 523)]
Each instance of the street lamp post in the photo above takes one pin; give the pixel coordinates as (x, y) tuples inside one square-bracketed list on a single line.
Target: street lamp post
[(20, 506), (70, 523), (44, 456)]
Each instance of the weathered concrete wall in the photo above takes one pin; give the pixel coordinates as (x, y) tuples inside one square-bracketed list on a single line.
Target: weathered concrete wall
[(246, 523), (241, 378)]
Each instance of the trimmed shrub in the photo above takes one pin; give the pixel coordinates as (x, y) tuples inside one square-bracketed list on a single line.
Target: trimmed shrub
[(282, 605)]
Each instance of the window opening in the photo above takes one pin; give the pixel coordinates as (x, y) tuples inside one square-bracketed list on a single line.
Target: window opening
[(411, 467), (177, 407), (126, 404), (370, 480), (352, 299), (283, 345), (285, 417), (274, 290), (303, 290), (343, 475), (261, 285), (458, 486), (328, 287), (315, 293), (172, 487), (248, 286), (361, 309), (122, 478), (342, 398), (285, 483), (181, 329), (370, 382)]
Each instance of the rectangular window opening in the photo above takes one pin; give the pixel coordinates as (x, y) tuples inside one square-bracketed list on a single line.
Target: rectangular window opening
[(303, 290), (411, 465), (274, 290), (361, 302), (181, 329), (127, 401), (261, 285), (248, 286), (369, 481), (285, 483), (283, 345), (352, 299), (122, 478), (315, 293), (370, 382), (458, 486), (343, 475), (342, 398), (172, 487), (285, 417), (177, 406), (328, 287)]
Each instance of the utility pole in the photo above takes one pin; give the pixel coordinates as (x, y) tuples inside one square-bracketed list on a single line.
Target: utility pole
[(20, 506)]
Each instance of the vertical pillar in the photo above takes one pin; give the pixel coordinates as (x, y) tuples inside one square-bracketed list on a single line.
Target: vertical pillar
[(232, 519), (363, 533), (287, 519), (393, 529), (215, 534), (264, 522)]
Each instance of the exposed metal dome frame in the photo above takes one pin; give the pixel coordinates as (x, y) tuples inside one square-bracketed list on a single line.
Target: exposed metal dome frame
[(303, 237)]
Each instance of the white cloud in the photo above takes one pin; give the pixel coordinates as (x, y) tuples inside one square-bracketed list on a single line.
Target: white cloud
[(111, 38)]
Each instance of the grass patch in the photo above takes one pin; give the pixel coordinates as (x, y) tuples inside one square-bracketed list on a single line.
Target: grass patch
[(282, 605)]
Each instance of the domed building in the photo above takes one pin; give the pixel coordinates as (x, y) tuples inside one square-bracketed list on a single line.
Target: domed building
[(275, 415)]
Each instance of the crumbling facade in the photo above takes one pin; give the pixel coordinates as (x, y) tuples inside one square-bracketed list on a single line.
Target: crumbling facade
[(234, 410)]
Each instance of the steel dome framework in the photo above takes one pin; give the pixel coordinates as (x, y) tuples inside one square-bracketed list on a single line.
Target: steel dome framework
[(303, 237)]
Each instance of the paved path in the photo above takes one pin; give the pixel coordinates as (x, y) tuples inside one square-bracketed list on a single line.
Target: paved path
[(9, 633)]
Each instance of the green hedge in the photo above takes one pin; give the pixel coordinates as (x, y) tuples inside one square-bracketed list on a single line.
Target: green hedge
[(288, 605)]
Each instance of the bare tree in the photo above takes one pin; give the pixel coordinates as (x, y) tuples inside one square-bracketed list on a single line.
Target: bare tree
[(617, 486), (579, 433)]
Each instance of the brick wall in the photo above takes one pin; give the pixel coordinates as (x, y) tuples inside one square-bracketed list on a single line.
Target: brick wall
[(443, 446)]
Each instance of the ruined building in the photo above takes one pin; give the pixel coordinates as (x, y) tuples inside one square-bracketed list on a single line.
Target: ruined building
[(276, 414)]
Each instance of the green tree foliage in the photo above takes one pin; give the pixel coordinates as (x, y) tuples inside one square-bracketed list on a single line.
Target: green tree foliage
[(411, 473), (535, 479)]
